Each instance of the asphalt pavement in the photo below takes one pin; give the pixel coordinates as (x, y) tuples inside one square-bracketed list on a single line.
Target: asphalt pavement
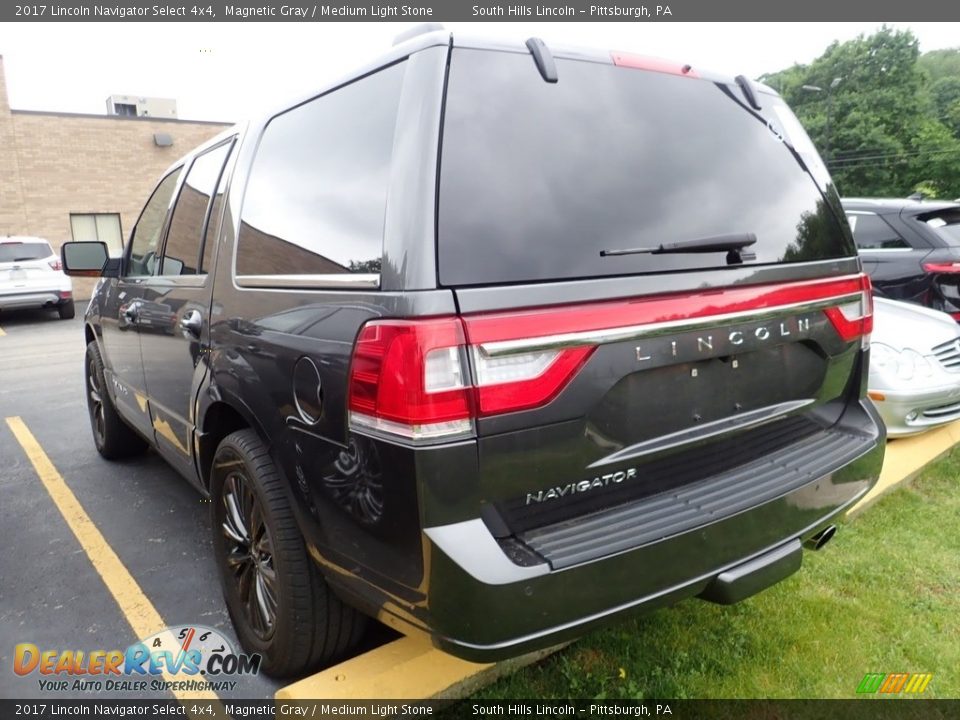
[(51, 591)]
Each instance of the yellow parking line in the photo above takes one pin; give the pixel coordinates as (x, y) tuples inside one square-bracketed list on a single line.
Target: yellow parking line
[(139, 611), (2, 333)]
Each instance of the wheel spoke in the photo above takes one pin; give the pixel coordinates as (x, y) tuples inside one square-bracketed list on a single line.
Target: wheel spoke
[(237, 558), (265, 604), (234, 525), (245, 581)]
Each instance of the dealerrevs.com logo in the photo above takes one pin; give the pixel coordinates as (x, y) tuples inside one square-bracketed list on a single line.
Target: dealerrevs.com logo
[(185, 657)]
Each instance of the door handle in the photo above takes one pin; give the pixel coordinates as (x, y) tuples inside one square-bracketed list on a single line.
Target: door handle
[(192, 322)]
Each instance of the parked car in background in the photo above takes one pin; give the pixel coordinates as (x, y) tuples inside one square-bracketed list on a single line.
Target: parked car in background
[(910, 248), (914, 367), (31, 276)]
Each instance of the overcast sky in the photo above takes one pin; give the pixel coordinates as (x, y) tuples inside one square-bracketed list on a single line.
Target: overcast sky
[(228, 71)]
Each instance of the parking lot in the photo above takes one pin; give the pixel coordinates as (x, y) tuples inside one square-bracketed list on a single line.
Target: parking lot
[(51, 592)]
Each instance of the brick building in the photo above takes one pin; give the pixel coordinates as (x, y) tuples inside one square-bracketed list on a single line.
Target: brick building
[(70, 176)]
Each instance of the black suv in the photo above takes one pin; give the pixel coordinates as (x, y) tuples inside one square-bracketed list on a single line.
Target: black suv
[(910, 248), (494, 342)]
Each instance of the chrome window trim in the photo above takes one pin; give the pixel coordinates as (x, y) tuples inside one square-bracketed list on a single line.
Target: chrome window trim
[(332, 281), (635, 332)]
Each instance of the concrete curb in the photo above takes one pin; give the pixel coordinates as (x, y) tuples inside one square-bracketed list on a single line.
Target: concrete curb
[(906, 457)]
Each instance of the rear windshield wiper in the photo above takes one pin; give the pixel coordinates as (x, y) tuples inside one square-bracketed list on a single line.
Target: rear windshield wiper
[(715, 243)]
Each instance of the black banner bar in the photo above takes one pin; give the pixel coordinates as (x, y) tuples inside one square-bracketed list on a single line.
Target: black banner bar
[(476, 10), (225, 709)]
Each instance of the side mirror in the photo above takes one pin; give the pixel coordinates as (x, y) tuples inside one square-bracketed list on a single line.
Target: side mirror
[(172, 266), (85, 259)]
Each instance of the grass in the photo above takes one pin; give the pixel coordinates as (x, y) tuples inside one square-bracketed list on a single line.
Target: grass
[(883, 597)]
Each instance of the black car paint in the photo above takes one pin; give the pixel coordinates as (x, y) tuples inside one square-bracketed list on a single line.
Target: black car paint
[(899, 274), (185, 392)]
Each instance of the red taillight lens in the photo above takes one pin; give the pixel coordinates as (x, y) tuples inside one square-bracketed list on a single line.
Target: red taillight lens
[(525, 380), (948, 268), (55, 264), (408, 378), (854, 319)]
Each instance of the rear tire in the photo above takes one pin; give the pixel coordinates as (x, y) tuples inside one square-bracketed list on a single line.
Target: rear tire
[(112, 436), (280, 605), (67, 310)]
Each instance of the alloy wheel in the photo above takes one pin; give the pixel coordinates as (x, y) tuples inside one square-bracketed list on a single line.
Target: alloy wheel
[(249, 554)]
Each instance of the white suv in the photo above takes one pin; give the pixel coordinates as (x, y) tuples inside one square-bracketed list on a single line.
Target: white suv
[(30, 276)]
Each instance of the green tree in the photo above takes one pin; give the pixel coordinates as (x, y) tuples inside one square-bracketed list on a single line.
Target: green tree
[(879, 119)]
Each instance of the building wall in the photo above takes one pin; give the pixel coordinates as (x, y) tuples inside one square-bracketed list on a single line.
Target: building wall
[(54, 164)]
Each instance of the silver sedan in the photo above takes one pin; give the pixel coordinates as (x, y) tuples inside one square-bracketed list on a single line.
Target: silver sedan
[(914, 367)]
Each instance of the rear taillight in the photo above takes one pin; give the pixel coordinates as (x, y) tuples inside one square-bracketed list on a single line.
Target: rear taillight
[(411, 378), (942, 268), (408, 379), (854, 318), (55, 264)]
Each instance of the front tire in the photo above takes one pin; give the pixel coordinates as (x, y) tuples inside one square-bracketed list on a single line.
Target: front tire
[(279, 603), (112, 436)]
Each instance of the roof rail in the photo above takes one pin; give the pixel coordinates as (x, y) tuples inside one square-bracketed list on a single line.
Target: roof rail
[(421, 29)]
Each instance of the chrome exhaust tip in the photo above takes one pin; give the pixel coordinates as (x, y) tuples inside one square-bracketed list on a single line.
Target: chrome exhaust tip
[(821, 538)]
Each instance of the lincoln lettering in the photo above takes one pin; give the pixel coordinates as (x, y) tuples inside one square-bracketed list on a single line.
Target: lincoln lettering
[(736, 337), (600, 481)]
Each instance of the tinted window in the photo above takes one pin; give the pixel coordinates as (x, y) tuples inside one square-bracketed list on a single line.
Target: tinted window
[(946, 224), (871, 232), (145, 243), (23, 251), (182, 251), (538, 178), (316, 197), (213, 225)]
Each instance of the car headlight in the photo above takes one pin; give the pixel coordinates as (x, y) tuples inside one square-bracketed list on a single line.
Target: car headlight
[(902, 364)]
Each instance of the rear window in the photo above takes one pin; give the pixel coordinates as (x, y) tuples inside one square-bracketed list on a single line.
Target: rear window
[(21, 252), (946, 224), (538, 178)]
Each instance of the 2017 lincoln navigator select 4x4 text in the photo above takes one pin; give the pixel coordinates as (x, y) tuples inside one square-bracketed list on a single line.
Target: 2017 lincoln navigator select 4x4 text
[(496, 342)]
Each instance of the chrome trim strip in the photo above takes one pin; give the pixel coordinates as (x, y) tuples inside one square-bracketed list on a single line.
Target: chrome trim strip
[(471, 546), (635, 332), (753, 418), (312, 282)]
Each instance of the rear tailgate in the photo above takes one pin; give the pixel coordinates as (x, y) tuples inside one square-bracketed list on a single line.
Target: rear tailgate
[(26, 266), (604, 378)]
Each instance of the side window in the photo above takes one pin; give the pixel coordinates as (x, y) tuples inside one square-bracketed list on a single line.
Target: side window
[(317, 193), (871, 232), (213, 224), (145, 241), (181, 254)]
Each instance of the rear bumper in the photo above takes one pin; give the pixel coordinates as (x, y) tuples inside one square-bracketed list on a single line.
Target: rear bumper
[(32, 299), (483, 607)]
